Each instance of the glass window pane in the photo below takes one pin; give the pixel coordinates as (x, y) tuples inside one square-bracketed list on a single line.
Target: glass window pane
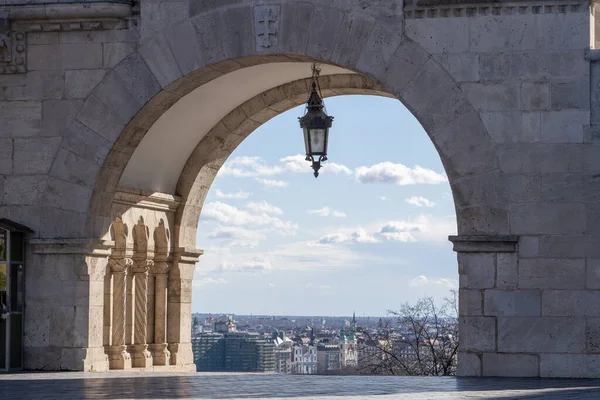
[(16, 246), (17, 284), (3, 239), (16, 340)]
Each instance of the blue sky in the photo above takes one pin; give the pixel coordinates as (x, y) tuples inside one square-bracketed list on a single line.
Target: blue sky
[(367, 235)]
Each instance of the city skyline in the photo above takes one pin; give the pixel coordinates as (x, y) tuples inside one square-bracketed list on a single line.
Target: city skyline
[(378, 225)]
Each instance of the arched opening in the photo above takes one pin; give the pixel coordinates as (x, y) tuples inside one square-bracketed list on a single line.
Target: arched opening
[(163, 164)]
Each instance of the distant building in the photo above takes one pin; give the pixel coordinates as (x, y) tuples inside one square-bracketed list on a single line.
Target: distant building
[(328, 358), (233, 352), (283, 352), (348, 346), (304, 359), (224, 324)]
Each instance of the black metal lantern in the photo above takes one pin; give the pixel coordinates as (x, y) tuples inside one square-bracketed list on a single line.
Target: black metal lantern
[(316, 123)]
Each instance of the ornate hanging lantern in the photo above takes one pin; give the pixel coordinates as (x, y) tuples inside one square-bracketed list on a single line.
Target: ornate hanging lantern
[(316, 123)]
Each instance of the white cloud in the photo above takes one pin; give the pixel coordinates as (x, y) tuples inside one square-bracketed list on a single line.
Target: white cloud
[(271, 285), (244, 167), (382, 198), (238, 236), (237, 196), (264, 207), (420, 201), (272, 183), (423, 228), (230, 215), (422, 280), (399, 174), (326, 211), (208, 281)]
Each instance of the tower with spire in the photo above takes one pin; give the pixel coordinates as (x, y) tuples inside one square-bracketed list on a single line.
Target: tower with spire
[(348, 345)]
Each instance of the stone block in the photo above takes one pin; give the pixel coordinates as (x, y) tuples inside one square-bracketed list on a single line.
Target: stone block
[(42, 358), (184, 45), (485, 188), (6, 156), (439, 35), (529, 246), (34, 155), (493, 96), (157, 55), (159, 14), (576, 36), (236, 33), (569, 246), (101, 119), (26, 215), (550, 273), (510, 365), (480, 269), (42, 38), (24, 190), (583, 157), (113, 93), (574, 94), (535, 96), (495, 66), (477, 333), (570, 303), (294, 34), (507, 269), (114, 53), (377, 52), (500, 33), (539, 334), (513, 126), (57, 116), (86, 143), (404, 65), (463, 67), (138, 79), (431, 76), (352, 38), (67, 196), (569, 365), (509, 303), (447, 108), (61, 326), (20, 118), (564, 126), (80, 83), (523, 188), (75, 169), (470, 303), (64, 56), (532, 219), (324, 26), (468, 364), (206, 27), (592, 280), (388, 13), (202, 6), (483, 219), (592, 335)]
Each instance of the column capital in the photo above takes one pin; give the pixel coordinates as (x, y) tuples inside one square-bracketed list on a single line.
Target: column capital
[(141, 265), (160, 267), (119, 265), (484, 243)]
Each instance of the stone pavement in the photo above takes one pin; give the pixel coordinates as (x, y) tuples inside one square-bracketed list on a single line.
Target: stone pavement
[(136, 385)]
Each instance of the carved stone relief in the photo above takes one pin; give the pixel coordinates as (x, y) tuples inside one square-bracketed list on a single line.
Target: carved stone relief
[(12, 48), (266, 25)]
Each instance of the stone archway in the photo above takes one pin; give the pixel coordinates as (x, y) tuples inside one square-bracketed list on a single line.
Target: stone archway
[(510, 135)]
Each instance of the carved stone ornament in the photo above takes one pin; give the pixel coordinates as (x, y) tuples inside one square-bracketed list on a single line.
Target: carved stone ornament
[(266, 23), (141, 266), (161, 267), (119, 264), (12, 48)]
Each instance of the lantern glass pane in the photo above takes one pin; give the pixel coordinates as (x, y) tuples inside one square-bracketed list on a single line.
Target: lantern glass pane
[(317, 141), (306, 141)]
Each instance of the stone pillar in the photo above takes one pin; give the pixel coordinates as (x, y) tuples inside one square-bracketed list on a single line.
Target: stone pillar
[(179, 310), (118, 356), (64, 297), (488, 267), (159, 349), (140, 356)]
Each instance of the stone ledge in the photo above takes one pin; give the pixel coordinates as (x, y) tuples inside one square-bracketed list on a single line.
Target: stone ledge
[(148, 200), (484, 243), (187, 255), (45, 11), (71, 246)]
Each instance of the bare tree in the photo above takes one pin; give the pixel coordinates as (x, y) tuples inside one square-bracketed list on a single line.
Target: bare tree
[(424, 342)]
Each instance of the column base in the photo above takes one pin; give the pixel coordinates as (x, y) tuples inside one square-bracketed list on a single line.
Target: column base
[(118, 357), (140, 356), (181, 353), (160, 354)]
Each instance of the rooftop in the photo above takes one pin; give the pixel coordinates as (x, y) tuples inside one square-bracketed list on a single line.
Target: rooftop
[(157, 385)]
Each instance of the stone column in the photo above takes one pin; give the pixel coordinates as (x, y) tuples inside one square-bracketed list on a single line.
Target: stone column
[(488, 269), (140, 356), (179, 311), (118, 356), (159, 350)]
